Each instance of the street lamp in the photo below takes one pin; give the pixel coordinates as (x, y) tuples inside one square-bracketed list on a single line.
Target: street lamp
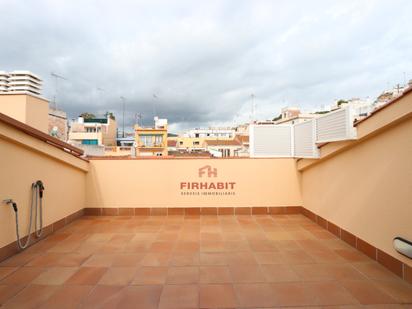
[(123, 100)]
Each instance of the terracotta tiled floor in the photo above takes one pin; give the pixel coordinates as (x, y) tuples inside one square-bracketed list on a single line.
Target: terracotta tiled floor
[(197, 262)]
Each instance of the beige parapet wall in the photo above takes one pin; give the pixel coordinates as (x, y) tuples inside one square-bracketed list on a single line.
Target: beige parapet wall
[(365, 187), (25, 159), (177, 183)]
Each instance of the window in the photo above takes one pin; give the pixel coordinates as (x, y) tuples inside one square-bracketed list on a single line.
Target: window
[(181, 143), (90, 130), (195, 143), (158, 140), (146, 140), (90, 142), (197, 135)]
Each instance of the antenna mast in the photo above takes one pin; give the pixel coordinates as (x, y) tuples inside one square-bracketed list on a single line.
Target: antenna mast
[(56, 79)]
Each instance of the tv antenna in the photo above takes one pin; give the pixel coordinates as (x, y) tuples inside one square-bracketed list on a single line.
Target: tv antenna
[(155, 97), (138, 119), (56, 81)]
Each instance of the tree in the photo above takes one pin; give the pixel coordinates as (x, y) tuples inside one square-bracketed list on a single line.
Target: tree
[(110, 114), (340, 102), (277, 118), (87, 115)]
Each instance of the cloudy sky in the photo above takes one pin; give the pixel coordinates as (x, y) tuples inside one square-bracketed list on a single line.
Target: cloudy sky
[(204, 59)]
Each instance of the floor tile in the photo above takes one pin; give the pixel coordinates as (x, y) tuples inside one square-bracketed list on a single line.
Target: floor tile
[(255, 295), (311, 272), (127, 260), (118, 276), (55, 275), (213, 258), (150, 275), (87, 276), (352, 255), (22, 276), (297, 257), (132, 297), (292, 294), (67, 297), (101, 295), (155, 259), (240, 258), (329, 293), (375, 271), (183, 275), (184, 259), (99, 260), (5, 271), (8, 291), (179, 296), (246, 273), (279, 273), (215, 274), (217, 296), (19, 259), (269, 258), (397, 289), (187, 246), (367, 293), (32, 296)]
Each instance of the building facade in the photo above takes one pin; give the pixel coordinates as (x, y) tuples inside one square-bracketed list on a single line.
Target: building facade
[(223, 148), (20, 82), (93, 131), (152, 141), (57, 124), (194, 140)]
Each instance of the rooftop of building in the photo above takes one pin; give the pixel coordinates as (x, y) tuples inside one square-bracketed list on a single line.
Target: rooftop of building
[(296, 233), (220, 142)]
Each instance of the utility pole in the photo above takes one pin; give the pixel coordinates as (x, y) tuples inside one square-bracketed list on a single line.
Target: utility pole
[(155, 97), (253, 107), (56, 79), (123, 100)]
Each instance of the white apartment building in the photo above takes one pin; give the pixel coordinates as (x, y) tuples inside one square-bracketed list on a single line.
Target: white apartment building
[(93, 131), (361, 107), (211, 133), (292, 115), (20, 82), (4, 81)]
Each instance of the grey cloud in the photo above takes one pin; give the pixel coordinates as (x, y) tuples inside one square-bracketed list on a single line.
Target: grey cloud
[(204, 59)]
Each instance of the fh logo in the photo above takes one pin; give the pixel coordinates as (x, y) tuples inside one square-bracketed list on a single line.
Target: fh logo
[(211, 172)]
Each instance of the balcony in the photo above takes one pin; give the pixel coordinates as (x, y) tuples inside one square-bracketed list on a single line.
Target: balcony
[(211, 233)]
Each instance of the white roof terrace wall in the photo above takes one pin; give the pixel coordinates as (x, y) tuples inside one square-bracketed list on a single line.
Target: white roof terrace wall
[(300, 140)]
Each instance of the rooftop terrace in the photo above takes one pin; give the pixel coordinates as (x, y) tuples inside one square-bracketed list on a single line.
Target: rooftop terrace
[(286, 233)]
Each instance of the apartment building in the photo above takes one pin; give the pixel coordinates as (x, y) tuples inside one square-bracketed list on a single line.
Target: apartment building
[(223, 148), (152, 141), (93, 131), (194, 140), (20, 82), (4, 81), (293, 115)]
